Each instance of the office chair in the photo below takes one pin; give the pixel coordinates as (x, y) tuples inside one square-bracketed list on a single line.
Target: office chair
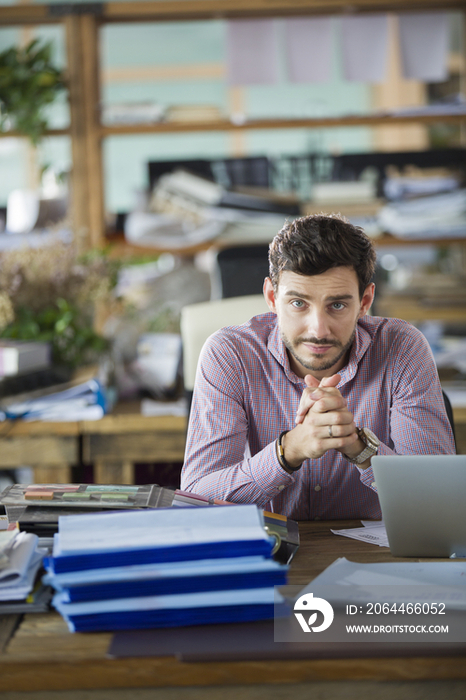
[(449, 411), (241, 270), (199, 321)]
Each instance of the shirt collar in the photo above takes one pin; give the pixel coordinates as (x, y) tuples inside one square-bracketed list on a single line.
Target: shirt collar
[(362, 341)]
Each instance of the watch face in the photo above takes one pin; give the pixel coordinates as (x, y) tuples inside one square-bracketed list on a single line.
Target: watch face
[(369, 438)]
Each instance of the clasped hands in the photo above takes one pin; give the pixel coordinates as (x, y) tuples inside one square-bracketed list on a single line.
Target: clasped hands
[(323, 422)]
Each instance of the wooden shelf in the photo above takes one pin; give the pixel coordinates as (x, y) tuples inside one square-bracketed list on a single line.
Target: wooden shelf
[(173, 127), (120, 249), (82, 23), (302, 123), (50, 132), (181, 10)]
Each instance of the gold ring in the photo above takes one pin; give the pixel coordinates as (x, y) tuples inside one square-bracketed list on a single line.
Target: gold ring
[(330, 431)]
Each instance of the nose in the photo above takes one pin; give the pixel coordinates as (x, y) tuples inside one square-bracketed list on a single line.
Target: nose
[(318, 324)]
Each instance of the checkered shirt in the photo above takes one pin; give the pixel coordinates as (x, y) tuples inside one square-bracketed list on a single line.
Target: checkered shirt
[(246, 394)]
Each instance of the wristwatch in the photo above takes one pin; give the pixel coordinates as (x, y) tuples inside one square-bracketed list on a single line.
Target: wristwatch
[(371, 442)]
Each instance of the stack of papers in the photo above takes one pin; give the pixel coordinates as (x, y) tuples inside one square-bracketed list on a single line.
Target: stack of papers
[(85, 401), (163, 568), (21, 560)]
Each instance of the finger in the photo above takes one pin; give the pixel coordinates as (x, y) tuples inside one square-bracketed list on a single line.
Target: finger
[(311, 381), (311, 396), (326, 400), (335, 430), (306, 402), (322, 421), (334, 380)]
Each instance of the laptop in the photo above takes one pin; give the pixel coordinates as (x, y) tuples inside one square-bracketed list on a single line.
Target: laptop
[(423, 501)]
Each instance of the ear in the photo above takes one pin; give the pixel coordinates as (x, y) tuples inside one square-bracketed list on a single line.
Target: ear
[(269, 294), (367, 299)]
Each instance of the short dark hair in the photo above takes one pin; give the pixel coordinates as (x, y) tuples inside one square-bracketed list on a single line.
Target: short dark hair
[(314, 244)]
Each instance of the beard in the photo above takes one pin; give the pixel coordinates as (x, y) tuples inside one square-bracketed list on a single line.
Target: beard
[(317, 365)]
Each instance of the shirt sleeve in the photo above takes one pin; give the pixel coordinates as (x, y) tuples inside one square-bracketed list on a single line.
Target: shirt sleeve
[(419, 423), (218, 463)]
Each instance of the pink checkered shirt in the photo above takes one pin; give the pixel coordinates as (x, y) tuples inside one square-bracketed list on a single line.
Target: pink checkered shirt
[(246, 394)]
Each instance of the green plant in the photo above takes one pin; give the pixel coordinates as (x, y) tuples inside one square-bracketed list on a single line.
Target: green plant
[(29, 82), (51, 294), (73, 341)]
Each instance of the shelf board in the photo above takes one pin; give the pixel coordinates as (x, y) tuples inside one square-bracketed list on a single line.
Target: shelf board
[(180, 10), (254, 124), (120, 249), (304, 123), (50, 132)]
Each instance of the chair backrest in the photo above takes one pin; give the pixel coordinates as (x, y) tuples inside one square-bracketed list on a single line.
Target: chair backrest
[(449, 410), (199, 321), (242, 270)]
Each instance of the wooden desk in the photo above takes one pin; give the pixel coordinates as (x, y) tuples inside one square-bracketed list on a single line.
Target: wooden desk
[(43, 655)]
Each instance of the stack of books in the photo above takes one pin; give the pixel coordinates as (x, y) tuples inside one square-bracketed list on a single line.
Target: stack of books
[(163, 568)]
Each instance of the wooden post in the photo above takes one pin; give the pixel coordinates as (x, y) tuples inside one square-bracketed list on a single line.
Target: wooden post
[(87, 177)]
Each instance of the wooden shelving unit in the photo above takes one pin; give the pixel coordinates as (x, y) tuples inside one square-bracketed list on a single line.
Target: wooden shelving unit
[(82, 23)]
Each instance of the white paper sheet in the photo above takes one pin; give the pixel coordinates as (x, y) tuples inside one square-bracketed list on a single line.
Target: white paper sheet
[(20, 553), (372, 532), (424, 45), (365, 47), (308, 47), (20, 589), (345, 581), (251, 46)]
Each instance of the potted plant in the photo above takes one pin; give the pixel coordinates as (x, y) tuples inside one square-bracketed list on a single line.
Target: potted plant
[(29, 82)]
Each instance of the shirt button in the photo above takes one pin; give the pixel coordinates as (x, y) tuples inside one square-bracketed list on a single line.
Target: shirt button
[(317, 487), (281, 487), (317, 518), (373, 484)]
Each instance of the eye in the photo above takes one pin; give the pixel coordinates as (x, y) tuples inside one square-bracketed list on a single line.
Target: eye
[(297, 303), (338, 305)]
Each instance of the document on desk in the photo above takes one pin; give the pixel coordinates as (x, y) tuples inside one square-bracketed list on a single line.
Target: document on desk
[(17, 579), (373, 532), (345, 582)]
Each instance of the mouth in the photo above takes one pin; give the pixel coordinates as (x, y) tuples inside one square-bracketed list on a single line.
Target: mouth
[(318, 349)]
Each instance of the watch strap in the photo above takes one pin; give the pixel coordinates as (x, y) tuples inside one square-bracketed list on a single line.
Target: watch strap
[(369, 451)]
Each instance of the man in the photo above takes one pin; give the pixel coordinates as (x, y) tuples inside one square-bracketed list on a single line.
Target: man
[(289, 408)]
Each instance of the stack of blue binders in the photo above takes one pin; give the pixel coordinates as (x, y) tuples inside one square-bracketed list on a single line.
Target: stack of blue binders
[(163, 568)]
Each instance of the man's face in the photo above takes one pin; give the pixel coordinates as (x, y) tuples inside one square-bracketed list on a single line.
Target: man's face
[(317, 317)]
